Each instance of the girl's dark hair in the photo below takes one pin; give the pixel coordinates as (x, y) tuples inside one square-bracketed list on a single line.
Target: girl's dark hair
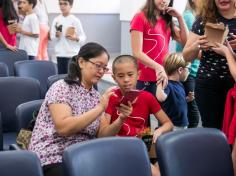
[(122, 59), (8, 11), (70, 2), (149, 10), (209, 12), (87, 52)]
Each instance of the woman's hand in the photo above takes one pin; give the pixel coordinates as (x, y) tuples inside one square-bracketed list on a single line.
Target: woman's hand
[(223, 49), (162, 77), (104, 99), (233, 41), (201, 43)]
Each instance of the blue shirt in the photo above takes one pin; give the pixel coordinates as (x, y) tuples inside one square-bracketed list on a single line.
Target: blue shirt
[(175, 105)]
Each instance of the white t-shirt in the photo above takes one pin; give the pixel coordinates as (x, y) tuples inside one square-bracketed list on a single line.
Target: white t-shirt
[(27, 43), (65, 47), (41, 12)]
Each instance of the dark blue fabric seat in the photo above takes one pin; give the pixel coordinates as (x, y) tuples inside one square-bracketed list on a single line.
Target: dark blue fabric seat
[(15, 91), (111, 156), (194, 152), (22, 163), (39, 70), (9, 58), (3, 70)]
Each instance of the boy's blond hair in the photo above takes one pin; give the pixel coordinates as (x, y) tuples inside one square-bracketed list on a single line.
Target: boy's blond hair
[(174, 61)]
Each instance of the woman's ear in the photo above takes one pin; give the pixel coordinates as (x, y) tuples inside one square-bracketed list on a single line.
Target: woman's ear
[(81, 62)]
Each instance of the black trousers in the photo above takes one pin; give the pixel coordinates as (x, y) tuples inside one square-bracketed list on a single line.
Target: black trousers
[(210, 98), (53, 170), (62, 64), (193, 112)]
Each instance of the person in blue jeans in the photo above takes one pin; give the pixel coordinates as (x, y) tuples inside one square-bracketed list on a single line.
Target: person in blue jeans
[(189, 15)]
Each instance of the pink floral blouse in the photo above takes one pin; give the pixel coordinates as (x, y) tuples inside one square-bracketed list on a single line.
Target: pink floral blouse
[(45, 141)]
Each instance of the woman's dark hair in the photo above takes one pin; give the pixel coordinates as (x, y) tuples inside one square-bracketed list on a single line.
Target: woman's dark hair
[(209, 12), (8, 11), (123, 59), (88, 51), (150, 9)]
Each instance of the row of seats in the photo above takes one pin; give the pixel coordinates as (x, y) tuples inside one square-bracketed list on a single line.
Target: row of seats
[(13, 92), (191, 152)]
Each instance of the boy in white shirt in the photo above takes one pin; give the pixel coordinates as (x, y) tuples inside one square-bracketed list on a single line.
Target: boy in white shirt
[(68, 34), (29, 30)]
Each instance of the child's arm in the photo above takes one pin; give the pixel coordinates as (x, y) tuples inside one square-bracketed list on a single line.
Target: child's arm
[(166, 124), (107, 129), (228, 52), (160, 93), (80, 32), (34, 28), (3, 41)]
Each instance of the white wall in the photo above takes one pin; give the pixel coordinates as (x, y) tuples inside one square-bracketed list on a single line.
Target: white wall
[(88, 6)]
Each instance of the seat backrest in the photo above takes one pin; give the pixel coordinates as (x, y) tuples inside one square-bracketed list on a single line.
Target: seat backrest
[(15, 91), (9, 58), (54, 78), (24, 113), (1, 134), (39, 70), (194, 152), (3, 70), (113, 156), (23, 163)]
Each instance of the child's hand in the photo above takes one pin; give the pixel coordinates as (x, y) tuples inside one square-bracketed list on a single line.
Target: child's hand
[(18, 28), (58, 34), (190, 96), (172, 12), (125, 110), (72, 37), (201, 43), (157, 133)]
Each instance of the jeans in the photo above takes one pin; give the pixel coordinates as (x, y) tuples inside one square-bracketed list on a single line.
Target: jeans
[(62, 65), (193, 112), (210, 98)]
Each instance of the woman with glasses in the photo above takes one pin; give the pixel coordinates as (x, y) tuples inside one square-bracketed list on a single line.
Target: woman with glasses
[(71, 110), (68, 35)]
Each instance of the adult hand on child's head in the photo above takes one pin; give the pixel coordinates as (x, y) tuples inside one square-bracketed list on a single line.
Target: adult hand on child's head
[(105, 97), (233, 41)]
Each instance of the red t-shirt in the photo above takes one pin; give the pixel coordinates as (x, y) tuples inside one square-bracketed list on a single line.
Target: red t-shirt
[(10, 38), (145, 105), (155, 42)]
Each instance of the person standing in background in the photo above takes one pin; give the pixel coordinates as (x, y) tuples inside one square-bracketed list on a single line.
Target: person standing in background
[(68, 34), (189, 14), (29, 30), (213, 78), (151, 30), (8, 24), (41, 11)]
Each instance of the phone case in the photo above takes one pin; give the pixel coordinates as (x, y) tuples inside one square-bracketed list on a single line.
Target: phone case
[(129, 96)]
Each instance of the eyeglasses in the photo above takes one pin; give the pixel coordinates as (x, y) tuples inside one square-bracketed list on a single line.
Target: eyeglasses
[(63, 3), (99, 67)]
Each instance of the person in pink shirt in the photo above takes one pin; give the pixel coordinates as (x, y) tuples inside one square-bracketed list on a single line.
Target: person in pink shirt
[(8, 20), (151, 30)]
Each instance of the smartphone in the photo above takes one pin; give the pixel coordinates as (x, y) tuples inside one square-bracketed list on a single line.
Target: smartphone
[(129, 96)]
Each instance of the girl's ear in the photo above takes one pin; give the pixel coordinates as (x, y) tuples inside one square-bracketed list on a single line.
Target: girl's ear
[(180, 69)]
